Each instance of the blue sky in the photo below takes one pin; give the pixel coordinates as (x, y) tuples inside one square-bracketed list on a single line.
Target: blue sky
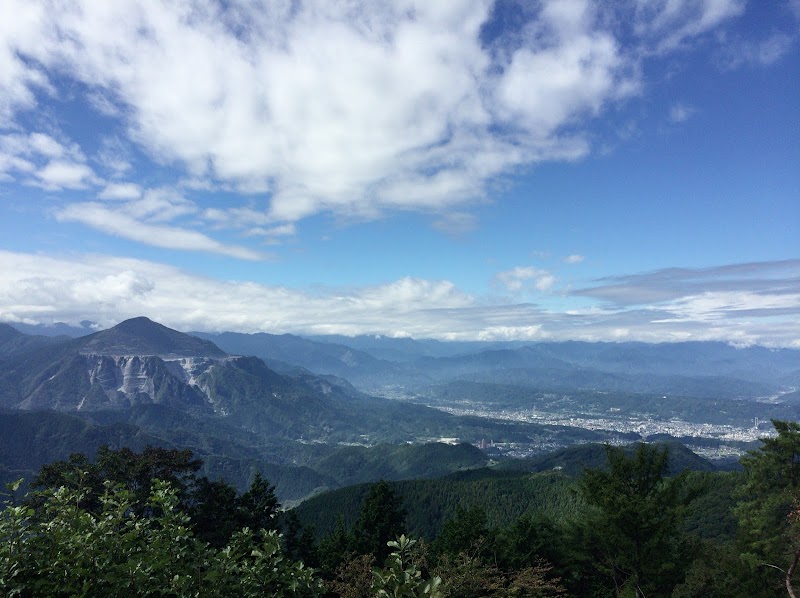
[(464, 170)]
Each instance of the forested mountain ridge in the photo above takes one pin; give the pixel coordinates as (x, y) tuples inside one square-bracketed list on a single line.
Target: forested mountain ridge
[(505, 491)]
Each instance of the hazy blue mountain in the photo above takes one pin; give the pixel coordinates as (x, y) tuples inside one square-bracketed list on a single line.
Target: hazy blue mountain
[(280, 350), (56, 329), (405, 349), (13, 342), (695, 369), (31, 439)]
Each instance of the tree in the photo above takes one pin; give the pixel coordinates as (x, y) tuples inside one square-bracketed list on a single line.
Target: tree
[(66, 550), (465, 531), (298, 541), (124, 467), (258, 506), (380, 520), (636, 521), (214, 511), (769, 507)]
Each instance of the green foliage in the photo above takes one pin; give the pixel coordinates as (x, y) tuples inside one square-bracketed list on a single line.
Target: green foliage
[(358, 464), (637, 518), (124, 467), (468, 575), (462, 532), (215, 509), (66, 550), (769, 507), (504, 496), (258, 507), (381, 519), (400, 576)]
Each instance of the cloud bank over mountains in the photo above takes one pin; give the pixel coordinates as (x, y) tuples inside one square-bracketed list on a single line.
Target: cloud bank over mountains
[(745, 303)]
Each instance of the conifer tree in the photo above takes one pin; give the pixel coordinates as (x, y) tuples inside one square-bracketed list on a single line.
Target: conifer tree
[(769, 510)]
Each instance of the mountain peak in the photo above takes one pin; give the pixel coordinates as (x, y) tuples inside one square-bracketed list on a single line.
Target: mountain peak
[(143, 336)]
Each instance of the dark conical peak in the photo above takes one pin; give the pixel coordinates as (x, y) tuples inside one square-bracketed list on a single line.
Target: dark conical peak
[(142, 336)]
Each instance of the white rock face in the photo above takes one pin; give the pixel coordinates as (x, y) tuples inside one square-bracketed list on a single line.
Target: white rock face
[(134, 379)]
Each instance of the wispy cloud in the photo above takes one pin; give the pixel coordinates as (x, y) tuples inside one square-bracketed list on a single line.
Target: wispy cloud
[(680, 112), (142, 221), (766, 279), (575, 258), (738, 53)]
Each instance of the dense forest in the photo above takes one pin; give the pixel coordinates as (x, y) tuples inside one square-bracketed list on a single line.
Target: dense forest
[(147, 523)]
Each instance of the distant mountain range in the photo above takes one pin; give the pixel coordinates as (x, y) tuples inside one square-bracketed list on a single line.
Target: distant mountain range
[(285, 405), (142, 383), (696, 369)]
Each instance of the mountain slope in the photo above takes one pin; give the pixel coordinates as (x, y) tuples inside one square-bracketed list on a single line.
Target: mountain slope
[(142, 336), (13, 342)]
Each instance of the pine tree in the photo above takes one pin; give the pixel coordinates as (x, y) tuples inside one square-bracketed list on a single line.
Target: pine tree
[(769, 510)]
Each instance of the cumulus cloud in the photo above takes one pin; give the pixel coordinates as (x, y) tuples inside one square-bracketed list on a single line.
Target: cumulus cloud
[(45, 161), (39, 287), (353, 108), (46, 289)]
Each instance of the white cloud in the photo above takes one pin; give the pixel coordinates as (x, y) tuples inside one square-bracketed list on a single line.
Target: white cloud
[(669, 24), (21, 25), (284, 230), (777, 278), (45, 161), (114, 156), (41, 288), (738, 52), (124, 223), (60, 174), (46, 145), (520, 278), (353, 108), (575, 258), (121, 191)]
